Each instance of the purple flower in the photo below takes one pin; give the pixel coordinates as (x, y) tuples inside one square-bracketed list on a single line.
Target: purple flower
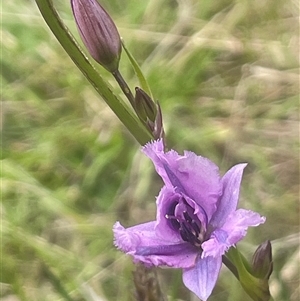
[(196, 222)]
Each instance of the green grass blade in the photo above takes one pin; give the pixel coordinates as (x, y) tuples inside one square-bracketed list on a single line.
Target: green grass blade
[(57, 284), (70, 45)]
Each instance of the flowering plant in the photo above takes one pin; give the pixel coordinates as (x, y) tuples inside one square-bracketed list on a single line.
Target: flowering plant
[(196, 222)]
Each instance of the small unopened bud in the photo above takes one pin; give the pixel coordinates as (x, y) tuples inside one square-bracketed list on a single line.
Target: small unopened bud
[(262, 263), (149, 113), (145, 106), (98, 32)]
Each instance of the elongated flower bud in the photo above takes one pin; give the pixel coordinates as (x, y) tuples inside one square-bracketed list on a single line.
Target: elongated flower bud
[(262, 263), (145, 106), (149, 113), (98, 32)]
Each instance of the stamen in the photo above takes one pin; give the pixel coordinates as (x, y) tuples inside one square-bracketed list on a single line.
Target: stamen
[(183, 234), (175, 222), (187, 217), (183, 219), (195, 227)]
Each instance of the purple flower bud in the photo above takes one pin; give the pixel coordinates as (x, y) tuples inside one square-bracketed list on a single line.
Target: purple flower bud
[(98, 32), (262, 263), (146, 108), (149, 113)]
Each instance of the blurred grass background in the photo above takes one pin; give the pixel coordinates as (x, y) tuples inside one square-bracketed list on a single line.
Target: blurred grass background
[(226, 75)]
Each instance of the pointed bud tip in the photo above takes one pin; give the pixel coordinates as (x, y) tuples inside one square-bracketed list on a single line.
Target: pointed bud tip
[(146, 104)]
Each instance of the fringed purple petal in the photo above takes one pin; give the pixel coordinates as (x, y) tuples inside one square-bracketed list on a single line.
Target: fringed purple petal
[(142, 243), (193, 175), (234, 229), (238, 222)]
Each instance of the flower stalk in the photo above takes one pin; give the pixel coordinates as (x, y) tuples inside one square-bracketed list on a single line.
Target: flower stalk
[(146, 284), (68, 42), (101, 38), (124, 87), (198, 217)]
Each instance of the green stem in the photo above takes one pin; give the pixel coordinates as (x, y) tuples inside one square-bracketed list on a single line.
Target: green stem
[(256, 288), (230, 266), (118, 106), (123, 85)]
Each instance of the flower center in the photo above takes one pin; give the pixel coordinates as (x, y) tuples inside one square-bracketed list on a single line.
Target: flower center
[(182, 218)]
